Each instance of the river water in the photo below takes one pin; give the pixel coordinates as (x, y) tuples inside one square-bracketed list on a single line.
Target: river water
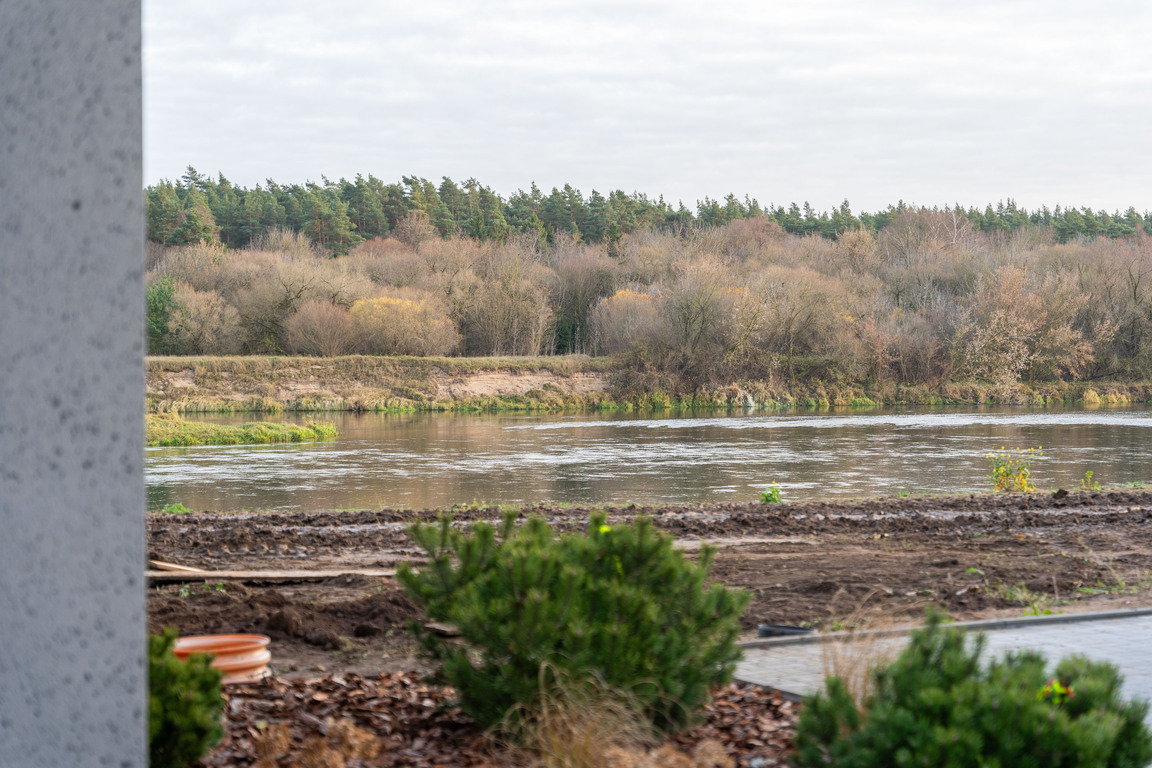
[(437, 460)]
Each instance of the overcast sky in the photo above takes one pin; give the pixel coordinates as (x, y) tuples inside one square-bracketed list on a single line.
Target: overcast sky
[(929, 102)]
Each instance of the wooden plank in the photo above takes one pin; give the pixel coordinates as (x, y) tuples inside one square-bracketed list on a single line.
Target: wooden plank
[(691, 545), (160, 565), (444, 630), (176, 577)]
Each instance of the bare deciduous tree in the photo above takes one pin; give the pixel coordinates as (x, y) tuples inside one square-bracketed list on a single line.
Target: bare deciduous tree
[(321, 328)]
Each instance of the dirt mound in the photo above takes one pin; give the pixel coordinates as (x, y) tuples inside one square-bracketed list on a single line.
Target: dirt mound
[(304, 620)]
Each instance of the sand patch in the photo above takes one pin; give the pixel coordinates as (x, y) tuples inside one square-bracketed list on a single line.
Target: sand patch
[(503, 383)]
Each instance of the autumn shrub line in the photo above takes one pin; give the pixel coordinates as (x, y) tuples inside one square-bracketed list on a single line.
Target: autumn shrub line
[(929, 300), (170, 430)]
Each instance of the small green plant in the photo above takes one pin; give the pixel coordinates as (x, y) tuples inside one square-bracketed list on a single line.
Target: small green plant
[(1117, 587), (939, 703), (1055, 692), (176, 509), (618, 603), (975, 571), (1087, 483), (1012, 470), (188, 590), (184, 704), (771, 494), (1020, 594)]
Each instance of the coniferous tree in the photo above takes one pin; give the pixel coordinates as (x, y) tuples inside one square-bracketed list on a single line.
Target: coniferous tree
[(225, 204), (195, 223), (523, 210), (598, 216), (327, 221), (164, 209), (236, 216), (260, 211), (394, 203), (939, 703), (619, 603), (161, 304), (455, 200), (365, 208)]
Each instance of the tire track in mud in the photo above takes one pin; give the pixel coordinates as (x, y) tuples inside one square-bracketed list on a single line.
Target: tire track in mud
[(214, 539)]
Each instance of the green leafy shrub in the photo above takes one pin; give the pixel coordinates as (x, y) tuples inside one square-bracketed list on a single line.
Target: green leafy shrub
[(1012, 470), (184, 704), (161, 305), (771, 494), (938, 704), (618, 603)]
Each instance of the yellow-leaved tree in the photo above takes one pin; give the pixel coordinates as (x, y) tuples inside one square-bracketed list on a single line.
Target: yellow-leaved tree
[(404, 322)]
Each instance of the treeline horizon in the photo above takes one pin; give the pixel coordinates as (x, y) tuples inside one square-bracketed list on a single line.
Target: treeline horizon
[(929, 299), (338, 215)]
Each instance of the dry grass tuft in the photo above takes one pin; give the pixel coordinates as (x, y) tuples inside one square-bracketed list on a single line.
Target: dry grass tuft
[(712, 754), (578, 724), (709, 754), (275, 741), (589, 724), (318, 753), (342, 741), (862, 648), (354, 742)]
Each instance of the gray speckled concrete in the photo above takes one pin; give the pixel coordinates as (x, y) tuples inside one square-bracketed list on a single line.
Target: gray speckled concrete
[(1124, 640), (72, 622)]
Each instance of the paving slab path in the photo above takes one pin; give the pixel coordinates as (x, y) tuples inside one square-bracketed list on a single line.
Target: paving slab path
[(796, 666)]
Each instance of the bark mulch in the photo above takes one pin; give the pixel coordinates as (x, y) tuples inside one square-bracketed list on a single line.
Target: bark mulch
[(393, 720)]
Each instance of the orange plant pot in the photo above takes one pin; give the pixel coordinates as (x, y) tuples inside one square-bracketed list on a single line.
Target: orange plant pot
[(242, 658)]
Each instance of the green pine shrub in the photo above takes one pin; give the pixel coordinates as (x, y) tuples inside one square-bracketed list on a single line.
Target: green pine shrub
[(938, 704), (184, 704), (618, 603)]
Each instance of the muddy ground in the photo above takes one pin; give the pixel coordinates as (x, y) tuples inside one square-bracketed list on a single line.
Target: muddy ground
[(827, 564)]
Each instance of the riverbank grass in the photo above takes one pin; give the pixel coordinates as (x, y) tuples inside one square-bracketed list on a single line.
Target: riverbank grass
[(169, 430), (359, 383)]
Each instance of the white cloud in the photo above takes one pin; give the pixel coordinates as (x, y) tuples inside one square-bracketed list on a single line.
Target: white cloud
[(933, 103)]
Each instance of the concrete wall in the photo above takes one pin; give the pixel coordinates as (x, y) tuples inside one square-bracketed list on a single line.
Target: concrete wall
[(72, 622)]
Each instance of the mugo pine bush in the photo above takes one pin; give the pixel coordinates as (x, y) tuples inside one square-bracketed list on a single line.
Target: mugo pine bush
[(184, 704), (938, 704), (618, 603)]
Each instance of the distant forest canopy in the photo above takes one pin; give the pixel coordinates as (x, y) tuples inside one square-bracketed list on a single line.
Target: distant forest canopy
[(337, 215)]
